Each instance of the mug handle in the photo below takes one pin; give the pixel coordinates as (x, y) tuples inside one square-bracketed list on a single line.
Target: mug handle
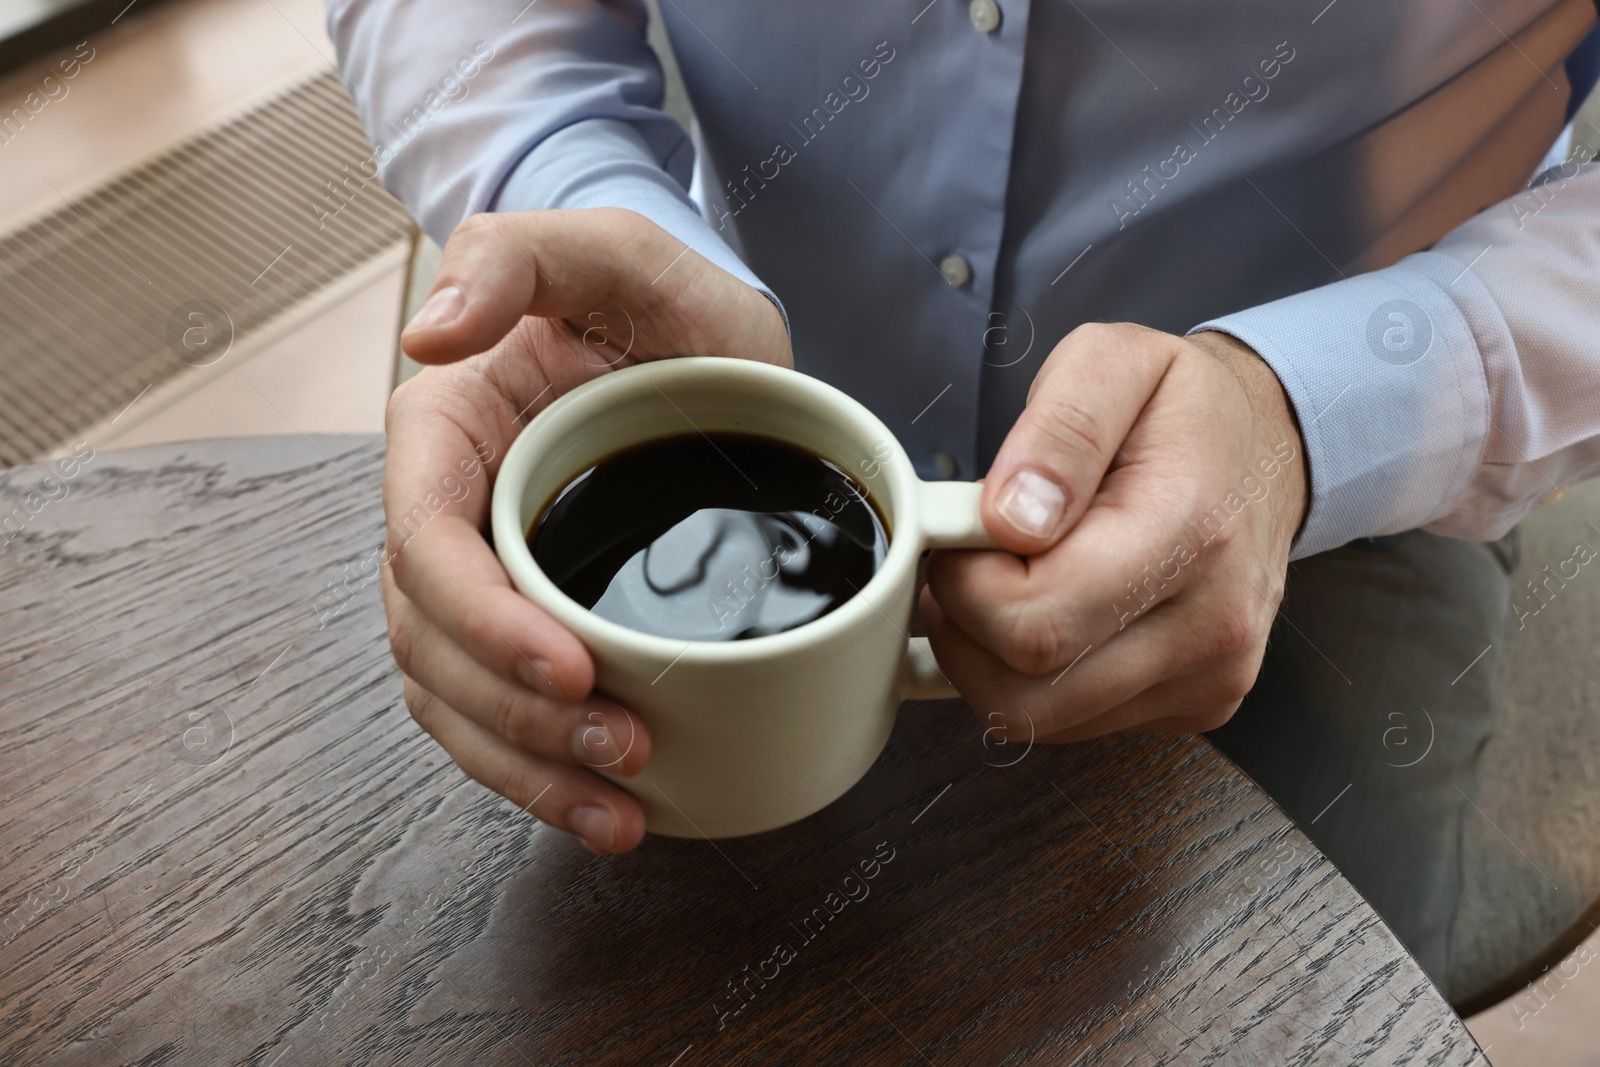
[(950, 518)]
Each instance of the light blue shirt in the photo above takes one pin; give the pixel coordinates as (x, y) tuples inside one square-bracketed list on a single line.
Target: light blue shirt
[(938, 192)]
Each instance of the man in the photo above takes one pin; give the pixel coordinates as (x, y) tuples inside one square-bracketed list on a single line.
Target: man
[(1357, 322)]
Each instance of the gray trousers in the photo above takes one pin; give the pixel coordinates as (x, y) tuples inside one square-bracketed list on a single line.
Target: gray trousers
[(1374, 702)]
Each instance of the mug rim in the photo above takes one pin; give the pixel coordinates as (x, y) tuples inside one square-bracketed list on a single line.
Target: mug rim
[(590, 399)]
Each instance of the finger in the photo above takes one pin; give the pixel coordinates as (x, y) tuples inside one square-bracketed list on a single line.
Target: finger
[(1123, 560), (443, 564), (454, 580), (497, 267), (568, 798), (1190, 704), (596, 733), (1097, 679), (1085, 399)]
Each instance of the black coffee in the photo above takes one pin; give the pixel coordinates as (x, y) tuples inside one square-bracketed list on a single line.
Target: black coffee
[(710, 537)]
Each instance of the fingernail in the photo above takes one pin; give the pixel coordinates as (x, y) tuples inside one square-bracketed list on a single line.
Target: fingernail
[(597, 827), (591, 744), (1032, 503), (538, 675), (442, 307)]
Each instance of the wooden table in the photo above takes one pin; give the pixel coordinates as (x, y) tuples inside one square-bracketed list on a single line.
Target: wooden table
[(226, 842)]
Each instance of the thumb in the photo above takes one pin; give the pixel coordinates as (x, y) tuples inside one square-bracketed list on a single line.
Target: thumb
[(579, 265), (1085, 399)]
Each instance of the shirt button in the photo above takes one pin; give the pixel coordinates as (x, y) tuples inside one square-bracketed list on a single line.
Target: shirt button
[(1553, 495), (956, 270), (985, 15), (944, 464)]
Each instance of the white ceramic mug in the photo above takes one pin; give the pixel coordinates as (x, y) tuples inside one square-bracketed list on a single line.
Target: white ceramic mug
[(753, 734)]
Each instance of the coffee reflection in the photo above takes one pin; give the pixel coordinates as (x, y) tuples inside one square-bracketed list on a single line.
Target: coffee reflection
[(714, 537)]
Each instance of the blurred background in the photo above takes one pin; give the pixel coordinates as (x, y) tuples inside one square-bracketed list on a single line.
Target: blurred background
[(191, 246)]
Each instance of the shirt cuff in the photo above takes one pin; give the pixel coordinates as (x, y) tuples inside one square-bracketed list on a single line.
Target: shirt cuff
[(608, 163), (1386, 380)]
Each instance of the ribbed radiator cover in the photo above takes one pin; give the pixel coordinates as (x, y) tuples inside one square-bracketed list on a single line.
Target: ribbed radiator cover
[(96, 298)]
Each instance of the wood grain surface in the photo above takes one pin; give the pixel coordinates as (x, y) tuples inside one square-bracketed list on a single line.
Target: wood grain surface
[(226, 842)]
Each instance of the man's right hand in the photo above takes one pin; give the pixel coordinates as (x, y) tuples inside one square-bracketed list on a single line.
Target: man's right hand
[(526, 307)]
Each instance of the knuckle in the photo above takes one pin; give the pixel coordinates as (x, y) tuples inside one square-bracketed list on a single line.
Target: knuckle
[(627, 223), (1235, 682), (1151, 349), (402, 638), (623, 229), (1215, 719), (422, 705), (1029, 643), (473, 228), (399, 560), (1214, 525), (1127, 338), (477, 634), (509, 715), (1232, 631), (1098, 333), (515, 783), (1070, 427), (392, 409)]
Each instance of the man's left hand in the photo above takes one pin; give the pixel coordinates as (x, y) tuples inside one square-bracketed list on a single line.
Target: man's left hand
[(1147, 497)]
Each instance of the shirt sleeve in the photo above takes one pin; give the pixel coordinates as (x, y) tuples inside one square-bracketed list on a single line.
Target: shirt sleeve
[(1456, 389), (474, 107)]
